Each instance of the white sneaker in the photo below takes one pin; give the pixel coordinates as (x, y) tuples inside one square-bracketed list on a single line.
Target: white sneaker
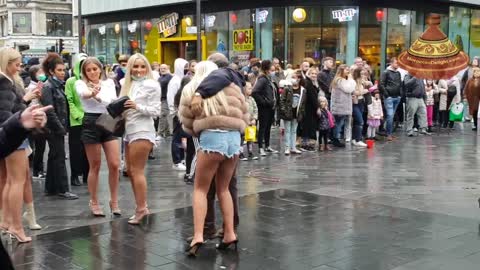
[(179, 167), (347, 140), (287, 151), (158, 138), (262, 152), (360, 144), (415, 130), (296, 151)]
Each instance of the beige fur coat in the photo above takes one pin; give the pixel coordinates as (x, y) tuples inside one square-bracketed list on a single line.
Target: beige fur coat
[(235, 117)]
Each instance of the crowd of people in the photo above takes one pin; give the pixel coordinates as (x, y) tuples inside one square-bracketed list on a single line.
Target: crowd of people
[(216, 114)]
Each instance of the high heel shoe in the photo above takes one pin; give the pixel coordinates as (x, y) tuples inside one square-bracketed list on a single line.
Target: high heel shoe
[(115, 209), (139, 215), (225, 246), (192, 251), (14, 235), (95, 209)]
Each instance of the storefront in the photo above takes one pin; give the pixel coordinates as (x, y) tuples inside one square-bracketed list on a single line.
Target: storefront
[(289, 33)]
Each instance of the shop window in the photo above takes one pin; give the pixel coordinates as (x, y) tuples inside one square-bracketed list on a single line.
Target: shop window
[(22, 23), (59, 24), (459, 25), (278, 29), (398, 34), (96, 37), (217, 33), (370, 46), (317, 32), (242, 36), (475, 34), (418, 25)]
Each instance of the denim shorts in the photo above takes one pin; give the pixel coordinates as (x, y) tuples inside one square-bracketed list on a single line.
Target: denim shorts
[(226, 143)]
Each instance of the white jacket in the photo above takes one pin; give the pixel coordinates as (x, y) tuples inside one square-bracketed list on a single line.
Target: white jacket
[(375, 110), (146, 94)]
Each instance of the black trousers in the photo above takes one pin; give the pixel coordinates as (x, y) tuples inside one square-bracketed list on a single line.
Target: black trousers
[(178, 153), (78, 157), (210, 218), (5, 262), (190, 154), (323, 136), (445, 119), (265, 121), (56, 180), (38, 143)]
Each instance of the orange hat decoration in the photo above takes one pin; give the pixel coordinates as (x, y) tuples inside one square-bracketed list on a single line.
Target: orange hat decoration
[(433, 55)]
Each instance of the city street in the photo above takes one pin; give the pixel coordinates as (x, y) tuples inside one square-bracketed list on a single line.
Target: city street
[(406, 205)]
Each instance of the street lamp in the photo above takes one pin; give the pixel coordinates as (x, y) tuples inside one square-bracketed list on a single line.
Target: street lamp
[(199, 30)]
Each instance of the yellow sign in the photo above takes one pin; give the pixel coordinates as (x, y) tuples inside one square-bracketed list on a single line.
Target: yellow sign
[(168, 24), (243, 40)]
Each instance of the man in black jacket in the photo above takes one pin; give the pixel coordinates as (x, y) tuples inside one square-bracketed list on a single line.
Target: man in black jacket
[(12, 133), (415, 93), (325, 77), (391, 90)]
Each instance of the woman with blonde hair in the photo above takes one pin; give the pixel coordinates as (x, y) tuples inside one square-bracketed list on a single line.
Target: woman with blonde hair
[(14, 169), (202, 70), (343, 87), (218, 125), (96, 93), (142, 107)]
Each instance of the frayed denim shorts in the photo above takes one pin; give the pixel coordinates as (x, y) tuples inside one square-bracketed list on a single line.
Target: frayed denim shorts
[(223, 142)]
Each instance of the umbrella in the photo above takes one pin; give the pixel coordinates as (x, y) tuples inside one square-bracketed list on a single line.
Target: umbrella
[(433, 55)]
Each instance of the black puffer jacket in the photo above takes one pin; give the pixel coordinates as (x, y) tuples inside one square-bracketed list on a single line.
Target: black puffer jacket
[(53, 93), (11, 101), (391, 83)]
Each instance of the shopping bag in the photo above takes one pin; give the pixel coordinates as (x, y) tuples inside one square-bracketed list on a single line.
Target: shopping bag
[(116, 125), (456, 112), (331, 119), (251, 134)]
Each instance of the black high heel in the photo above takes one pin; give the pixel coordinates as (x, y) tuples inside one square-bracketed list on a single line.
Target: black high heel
[(225, 246), (193, 250)]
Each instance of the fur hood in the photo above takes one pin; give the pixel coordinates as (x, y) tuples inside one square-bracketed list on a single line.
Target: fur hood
[(233, 117)]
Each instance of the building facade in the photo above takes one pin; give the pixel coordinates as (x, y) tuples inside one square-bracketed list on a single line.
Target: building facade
[(375, 30), (35, 26)]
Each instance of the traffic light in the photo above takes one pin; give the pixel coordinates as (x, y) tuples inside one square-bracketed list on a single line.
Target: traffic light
[(60, 46)]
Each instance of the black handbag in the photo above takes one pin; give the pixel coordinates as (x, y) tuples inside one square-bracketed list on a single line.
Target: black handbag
[(116, 125), (117, 107), (451, 91)]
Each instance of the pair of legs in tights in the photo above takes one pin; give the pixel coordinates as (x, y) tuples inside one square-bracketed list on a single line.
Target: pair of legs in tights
[(210, 165)]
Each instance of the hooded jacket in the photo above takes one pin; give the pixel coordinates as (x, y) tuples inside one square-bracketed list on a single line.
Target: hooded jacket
[(74, 102), (175, 83)]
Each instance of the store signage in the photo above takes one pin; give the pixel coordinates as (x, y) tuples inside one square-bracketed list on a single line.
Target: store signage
[(344, 15), (403, 18), (168, 24), (132, 27), (211, 20), (102, 30), (191, 29), (243, 39), (262, 16)]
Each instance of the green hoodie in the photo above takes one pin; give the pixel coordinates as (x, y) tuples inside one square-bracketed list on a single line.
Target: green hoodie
[(74, 102)]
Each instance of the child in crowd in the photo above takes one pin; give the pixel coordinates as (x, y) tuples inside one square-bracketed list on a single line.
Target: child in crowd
[(375, 114), (253, 111), (325, 124), (431, 89)]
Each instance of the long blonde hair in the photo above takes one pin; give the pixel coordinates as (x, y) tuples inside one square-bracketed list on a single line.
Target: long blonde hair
[(7, 56), (95, 61), (339, 75), (127, 84)]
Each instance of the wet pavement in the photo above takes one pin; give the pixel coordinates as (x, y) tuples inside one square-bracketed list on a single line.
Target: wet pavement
[(406, 205)]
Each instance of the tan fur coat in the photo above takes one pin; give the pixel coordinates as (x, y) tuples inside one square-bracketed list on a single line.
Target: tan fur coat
[(235, 117)]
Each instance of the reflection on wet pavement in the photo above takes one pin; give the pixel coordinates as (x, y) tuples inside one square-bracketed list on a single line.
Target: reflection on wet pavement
[(410, 205)]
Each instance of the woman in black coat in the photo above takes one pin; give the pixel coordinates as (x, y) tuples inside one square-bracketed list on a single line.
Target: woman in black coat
[(53, 93), (310, 119), (265, 95)]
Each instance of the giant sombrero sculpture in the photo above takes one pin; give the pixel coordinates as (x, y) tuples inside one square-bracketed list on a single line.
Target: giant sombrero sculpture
[(433, 55)]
